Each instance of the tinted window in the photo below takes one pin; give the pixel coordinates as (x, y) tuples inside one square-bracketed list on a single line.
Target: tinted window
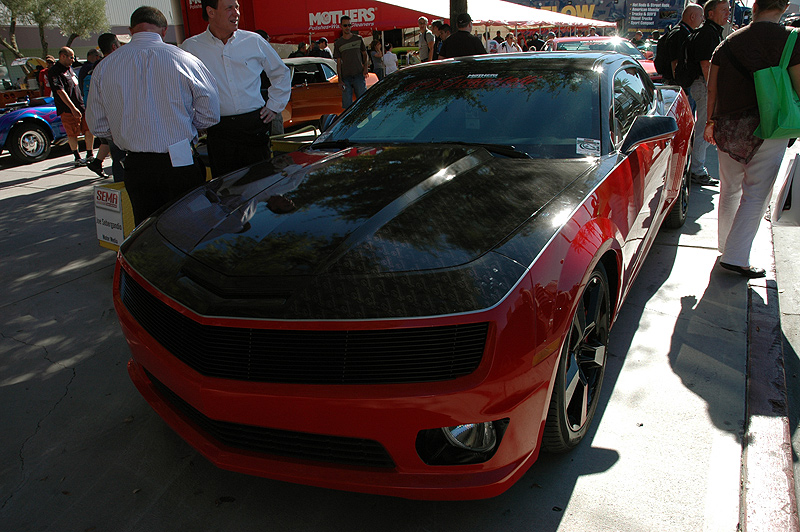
[(632, 97), (545, 113)]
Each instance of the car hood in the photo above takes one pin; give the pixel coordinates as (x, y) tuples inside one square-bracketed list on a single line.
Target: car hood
[(375, 213)]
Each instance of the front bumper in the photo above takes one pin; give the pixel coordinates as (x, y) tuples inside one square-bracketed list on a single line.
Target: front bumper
[(371, 422)]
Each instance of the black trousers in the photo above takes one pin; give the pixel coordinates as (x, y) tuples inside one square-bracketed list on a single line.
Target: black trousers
[(152, 181), (237, 141)]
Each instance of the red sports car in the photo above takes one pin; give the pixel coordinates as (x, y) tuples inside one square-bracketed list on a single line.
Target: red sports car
[(421, 300), (606, 44)]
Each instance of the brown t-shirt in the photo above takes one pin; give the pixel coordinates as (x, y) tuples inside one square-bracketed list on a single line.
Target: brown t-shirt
[(350, 51), (756, 46)]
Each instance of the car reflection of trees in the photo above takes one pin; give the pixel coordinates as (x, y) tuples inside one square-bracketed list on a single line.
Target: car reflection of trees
[(443, 232)]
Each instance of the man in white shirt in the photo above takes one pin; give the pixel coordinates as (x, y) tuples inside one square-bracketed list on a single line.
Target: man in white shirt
[(151, 98), (236, 59), (510, 45)]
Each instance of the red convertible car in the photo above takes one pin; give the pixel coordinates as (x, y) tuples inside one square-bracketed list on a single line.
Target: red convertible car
[(420, 301)]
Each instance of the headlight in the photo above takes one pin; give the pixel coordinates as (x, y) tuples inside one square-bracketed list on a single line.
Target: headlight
[(476, 437)]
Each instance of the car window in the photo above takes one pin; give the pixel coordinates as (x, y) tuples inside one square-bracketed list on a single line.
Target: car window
[(545, 113), (632, 97), (305, 73), (327, 71)]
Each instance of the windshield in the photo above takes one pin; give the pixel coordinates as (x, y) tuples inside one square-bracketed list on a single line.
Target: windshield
[(541, 113), (606, 45)]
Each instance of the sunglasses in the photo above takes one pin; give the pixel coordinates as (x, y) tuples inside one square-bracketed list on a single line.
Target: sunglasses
[(346, 25)]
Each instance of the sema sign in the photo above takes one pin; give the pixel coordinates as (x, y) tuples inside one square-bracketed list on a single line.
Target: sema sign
[(332, 19), (108, 214), (107, 198)]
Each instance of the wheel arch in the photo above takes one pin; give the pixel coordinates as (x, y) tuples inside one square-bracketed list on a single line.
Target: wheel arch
[(34, 120)]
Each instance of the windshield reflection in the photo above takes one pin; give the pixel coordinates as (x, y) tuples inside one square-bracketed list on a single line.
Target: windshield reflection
[(541, 113)]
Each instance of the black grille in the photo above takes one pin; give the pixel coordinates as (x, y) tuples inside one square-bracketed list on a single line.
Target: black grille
[(301, 445), (390, 356)]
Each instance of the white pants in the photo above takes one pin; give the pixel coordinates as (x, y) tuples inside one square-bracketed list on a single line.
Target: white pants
[(744, 193)]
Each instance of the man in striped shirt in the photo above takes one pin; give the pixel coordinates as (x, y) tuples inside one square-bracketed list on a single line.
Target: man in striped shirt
[(151, 98)]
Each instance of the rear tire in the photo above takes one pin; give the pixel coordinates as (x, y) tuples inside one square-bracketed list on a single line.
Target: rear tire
[(677, 214), (29, 143), (581, 368)]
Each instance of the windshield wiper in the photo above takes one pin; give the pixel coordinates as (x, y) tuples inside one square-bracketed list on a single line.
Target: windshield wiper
[(500, 149), (344, 143)]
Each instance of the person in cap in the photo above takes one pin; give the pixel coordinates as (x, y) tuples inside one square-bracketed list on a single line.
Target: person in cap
[(44, 83), (322, 49), (462, 42)]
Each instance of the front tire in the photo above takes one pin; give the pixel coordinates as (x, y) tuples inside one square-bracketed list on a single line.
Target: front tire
[(29, 143), (581, 367)]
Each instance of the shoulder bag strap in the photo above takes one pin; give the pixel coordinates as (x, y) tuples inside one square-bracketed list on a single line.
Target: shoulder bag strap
[(788, 49)]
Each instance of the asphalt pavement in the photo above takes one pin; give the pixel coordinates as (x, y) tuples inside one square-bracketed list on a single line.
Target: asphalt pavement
[(693, 432)]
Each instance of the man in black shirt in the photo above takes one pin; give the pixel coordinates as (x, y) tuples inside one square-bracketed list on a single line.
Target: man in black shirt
[(69, 103), (462, 42), (700, 48), (691, 19)]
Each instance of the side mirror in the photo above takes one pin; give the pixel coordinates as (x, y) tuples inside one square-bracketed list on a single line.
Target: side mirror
[(325, 121), (648, 129)]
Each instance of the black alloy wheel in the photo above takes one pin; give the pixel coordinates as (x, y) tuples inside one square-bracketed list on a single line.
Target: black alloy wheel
[(581, 368), (677, 214)]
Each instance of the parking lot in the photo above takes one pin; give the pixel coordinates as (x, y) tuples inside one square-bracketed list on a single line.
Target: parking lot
[(81, 450)]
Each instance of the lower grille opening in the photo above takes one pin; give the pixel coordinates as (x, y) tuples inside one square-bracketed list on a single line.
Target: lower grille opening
[(300, 445)]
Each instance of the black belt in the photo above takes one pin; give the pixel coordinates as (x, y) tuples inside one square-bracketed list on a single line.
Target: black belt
[(243, 116)]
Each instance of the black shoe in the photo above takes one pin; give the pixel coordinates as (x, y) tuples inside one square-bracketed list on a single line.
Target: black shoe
[(750, 272), (704, 179), (97, 167)]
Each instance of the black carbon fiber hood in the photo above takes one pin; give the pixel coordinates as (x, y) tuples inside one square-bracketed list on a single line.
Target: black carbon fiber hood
[(353, 233)]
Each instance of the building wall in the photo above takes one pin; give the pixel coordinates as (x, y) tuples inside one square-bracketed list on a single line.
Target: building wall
[(118, 13)]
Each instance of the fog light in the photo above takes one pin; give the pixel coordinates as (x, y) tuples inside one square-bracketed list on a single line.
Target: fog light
[(476, 437)]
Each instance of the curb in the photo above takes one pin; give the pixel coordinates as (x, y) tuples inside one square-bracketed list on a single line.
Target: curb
[(768, 500)]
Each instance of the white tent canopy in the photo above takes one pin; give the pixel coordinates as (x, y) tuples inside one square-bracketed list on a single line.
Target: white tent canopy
[(500, 13)]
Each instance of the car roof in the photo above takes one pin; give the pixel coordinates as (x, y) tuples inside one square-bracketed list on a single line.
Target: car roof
[(310, 60)]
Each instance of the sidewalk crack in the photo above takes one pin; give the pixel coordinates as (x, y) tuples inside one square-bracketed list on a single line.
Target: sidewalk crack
[(21, 452)]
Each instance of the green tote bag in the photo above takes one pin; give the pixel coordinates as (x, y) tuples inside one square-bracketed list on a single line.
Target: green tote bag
[(778, 103)]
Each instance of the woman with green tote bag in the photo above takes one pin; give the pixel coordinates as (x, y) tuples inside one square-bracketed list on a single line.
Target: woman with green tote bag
[(748, 165)]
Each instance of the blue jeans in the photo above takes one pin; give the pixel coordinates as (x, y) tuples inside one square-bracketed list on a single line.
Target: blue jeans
[(699, 93), (352, 84)]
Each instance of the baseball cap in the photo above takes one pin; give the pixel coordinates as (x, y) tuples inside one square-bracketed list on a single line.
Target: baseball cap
[(322, 39), (463, 19)]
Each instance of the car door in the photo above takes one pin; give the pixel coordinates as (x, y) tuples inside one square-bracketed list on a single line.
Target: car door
[(313, 93), (647, 165)]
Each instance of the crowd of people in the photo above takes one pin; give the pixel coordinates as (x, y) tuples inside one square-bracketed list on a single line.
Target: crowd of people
[(147, 102)]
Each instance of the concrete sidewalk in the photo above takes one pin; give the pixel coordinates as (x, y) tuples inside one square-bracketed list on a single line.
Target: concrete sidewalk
[(674, 438)]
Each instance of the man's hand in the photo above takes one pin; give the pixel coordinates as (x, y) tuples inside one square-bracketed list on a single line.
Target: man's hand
[(266, 114)]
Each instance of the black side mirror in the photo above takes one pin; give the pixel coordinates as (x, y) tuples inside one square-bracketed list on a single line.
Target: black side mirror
[(648, 129), (325, 121)]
